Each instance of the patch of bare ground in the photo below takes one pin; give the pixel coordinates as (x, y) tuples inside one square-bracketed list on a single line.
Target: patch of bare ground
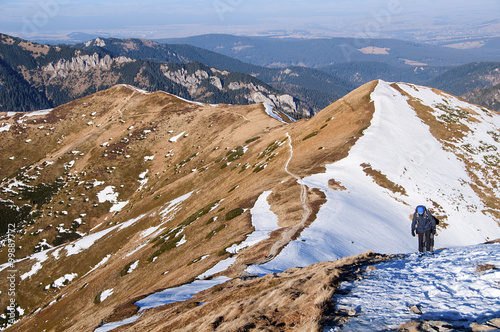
[(316, 198), (439, 213), (283, 193), (382, 180), (441, 130), (335, 185), (298, 299), (6, 39), (36, 49)]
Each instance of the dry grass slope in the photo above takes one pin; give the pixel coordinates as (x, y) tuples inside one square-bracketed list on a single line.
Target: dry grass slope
[(295, 300)]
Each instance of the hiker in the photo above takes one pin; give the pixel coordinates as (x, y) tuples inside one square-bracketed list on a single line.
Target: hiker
[(424, 224)]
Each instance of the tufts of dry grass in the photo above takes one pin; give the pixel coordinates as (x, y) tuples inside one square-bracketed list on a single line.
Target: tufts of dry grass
[(485, 267), (295, 300)]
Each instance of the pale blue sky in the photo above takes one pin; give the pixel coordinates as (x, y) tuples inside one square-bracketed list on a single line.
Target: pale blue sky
[(175, 18)]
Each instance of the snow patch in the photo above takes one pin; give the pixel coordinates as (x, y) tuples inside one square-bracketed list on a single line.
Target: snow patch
[(5, 127), (143, 179), (40, 257), (118, 206), (87, 241), (64, 280), (168, 212), (105, 294), (264, 222), (177, 294), (108, 195), (175, 138), (181, 241), (36, 113), (111, 326), (219, 267), (139, 247), (149, 231), (132, 267), (101, 263), (272, 112)]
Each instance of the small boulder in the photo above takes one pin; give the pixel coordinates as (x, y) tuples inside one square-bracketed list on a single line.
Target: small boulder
[(415, 309)]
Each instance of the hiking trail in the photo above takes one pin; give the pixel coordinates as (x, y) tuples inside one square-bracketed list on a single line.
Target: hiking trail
[(288, 233)]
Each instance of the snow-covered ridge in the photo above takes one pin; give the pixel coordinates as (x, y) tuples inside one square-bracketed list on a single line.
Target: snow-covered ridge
[(367, 216), (480, 145)]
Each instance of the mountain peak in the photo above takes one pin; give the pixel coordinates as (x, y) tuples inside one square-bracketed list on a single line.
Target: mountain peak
[(96, 42)]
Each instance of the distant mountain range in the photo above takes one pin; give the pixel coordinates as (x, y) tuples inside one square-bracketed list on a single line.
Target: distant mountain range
[(316, 88), (319, 53), (299, 90), (453, 68), (321, 86), (35, 76)]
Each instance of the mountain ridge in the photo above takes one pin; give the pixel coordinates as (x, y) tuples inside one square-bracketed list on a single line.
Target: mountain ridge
[(312, 84), (126, 193), (60, 74), (303, 78)]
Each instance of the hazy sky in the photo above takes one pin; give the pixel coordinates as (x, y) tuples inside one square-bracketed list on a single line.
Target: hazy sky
[(175, 18)]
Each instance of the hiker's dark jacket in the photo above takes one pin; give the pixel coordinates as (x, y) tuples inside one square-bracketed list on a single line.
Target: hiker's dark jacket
[(423, 222)]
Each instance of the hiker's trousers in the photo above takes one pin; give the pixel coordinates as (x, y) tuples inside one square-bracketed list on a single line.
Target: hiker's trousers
[(425, 241)]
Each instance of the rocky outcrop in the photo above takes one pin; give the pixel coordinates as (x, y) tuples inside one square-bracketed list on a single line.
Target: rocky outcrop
[(82, 63), (196, 81)]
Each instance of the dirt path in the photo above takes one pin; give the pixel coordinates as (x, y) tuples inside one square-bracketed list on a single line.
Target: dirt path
[(287, 234)]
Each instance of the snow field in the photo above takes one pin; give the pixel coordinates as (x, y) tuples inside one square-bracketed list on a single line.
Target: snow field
[(448, 286)]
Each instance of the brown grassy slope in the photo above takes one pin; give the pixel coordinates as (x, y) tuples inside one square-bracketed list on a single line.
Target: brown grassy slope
[(295, 300), (329, 135), (197, 163), (167, 113)]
